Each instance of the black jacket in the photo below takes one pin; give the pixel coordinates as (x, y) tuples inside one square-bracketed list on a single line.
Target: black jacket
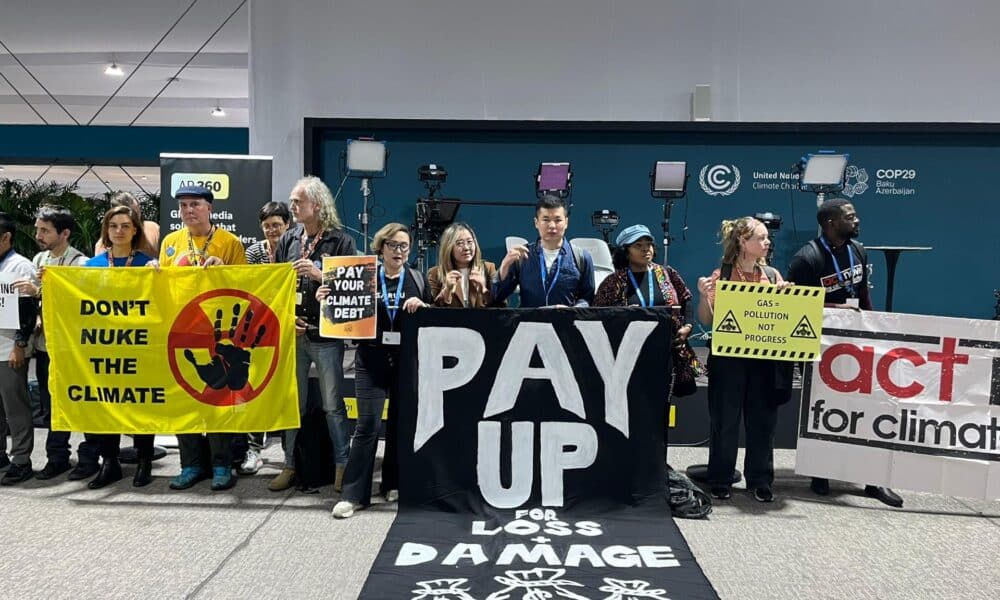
[(289, 249)]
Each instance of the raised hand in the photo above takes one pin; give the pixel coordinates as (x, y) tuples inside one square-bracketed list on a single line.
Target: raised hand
[(230, 364)]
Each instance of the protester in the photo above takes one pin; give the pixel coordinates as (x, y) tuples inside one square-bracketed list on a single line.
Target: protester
[(53, 228), (461, 278), (14, 366), (150, 229), (743, 389), (318, 233), (274, 219), (838, 263), (377, 371), (121, 234), (201, 243), (549, 271), (638, 281)]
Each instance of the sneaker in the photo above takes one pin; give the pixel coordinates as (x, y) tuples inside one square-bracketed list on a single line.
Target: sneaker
[(84, 471), (187, 478), (222, 478), (4, 462), (392, 496), (251, 464), (722, 492), (53, 468), (16, 474), (763, 494), (283, 481), (343, 510)]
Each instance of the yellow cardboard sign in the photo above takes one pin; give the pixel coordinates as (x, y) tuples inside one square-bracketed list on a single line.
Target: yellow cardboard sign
[(180, 350), (757, 320)]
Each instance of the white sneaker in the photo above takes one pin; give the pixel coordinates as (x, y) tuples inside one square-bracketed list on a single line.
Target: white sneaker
[(392, 496), (343, 510), (252, 463)]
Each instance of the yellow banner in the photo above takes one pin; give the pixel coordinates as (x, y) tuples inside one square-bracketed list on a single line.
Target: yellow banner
[(350, 311), (182, 350), (757, 320)]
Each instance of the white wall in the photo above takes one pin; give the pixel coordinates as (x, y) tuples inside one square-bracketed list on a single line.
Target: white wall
[(766, 60)]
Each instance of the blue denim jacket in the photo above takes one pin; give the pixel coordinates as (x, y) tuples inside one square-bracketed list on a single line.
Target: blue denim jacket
[(571, 287)]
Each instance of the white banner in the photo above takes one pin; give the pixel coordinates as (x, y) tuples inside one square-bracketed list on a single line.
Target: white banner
[(904, 401)]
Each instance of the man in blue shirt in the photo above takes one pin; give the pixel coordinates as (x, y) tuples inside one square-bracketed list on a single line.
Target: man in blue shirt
[(549, 271)]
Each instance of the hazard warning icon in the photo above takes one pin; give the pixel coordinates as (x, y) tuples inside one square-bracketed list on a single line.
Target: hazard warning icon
[(729, 324), (804, 329)]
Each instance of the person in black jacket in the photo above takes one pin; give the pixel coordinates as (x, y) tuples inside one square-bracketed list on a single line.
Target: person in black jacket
[(376, 371), (318, 233), (838, 263)]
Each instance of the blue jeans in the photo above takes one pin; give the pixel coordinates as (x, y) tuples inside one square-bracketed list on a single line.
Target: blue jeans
[(329, 359)]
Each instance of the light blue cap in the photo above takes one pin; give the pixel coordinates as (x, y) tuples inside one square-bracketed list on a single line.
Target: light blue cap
[(633, 234)]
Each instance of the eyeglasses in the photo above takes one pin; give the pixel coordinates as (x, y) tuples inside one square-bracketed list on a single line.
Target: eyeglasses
[(465, 244), (398, 246), (270, 226)]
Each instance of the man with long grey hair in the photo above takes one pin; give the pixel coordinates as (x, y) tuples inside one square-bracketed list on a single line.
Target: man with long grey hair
[(318, 233)]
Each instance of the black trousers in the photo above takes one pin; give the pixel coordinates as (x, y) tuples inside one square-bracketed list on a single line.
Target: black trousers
[(205, 451), (741, 390), (376, 377), (108, 445)]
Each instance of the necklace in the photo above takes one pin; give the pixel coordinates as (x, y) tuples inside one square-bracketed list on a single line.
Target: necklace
[(743, 277)]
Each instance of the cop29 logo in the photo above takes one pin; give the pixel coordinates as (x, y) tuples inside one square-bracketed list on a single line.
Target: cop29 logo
[(719, 180), (855, 181)]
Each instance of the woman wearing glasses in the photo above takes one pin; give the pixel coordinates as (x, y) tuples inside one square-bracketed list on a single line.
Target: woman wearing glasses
[(376, 371), (461, 278)]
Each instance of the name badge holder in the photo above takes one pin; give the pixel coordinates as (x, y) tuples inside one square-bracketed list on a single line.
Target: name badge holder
[(391, 338)]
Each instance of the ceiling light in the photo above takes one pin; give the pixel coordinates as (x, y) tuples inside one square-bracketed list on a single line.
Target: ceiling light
[(218, 112), (114, 70)]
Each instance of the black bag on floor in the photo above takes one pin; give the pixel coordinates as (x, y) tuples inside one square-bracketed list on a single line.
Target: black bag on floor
[(687, 501), (313, 452)]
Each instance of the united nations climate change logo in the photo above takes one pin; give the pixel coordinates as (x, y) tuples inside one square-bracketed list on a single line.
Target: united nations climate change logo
[(223, 347), (719, 180), (855, 181)]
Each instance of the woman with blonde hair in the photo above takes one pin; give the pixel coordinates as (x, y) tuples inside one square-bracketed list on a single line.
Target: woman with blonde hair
[(742, 389), (461, 278), (376, 370)]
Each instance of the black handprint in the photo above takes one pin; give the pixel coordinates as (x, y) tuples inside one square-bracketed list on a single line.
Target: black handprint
[(230, 364)]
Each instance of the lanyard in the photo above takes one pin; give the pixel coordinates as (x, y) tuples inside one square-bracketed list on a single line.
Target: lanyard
[(306, 253), (111, 258), (392, 310), (49, 259), (198, 256), (548, 288), (847, 284), (638, 293)]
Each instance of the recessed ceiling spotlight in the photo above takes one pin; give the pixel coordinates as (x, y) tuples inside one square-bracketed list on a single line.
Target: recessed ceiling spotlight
[(218, 112)]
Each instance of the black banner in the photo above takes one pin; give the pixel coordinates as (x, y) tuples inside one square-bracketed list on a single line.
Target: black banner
[(240, 184), (532, 460)]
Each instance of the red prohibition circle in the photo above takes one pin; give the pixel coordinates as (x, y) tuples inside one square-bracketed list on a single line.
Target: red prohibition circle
[(193, 329)]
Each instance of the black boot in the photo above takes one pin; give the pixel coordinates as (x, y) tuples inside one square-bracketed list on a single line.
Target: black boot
[(111, 471), (143, 473)]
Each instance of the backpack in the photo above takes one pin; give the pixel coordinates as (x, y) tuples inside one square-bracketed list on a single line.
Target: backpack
[(687, 501), (726, 271)]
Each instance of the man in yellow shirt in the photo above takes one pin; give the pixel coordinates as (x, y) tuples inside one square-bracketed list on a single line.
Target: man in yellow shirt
[(201, 243)]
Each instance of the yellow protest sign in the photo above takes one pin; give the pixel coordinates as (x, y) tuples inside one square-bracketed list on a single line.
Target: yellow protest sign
[(182, 350), (757, 320)]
